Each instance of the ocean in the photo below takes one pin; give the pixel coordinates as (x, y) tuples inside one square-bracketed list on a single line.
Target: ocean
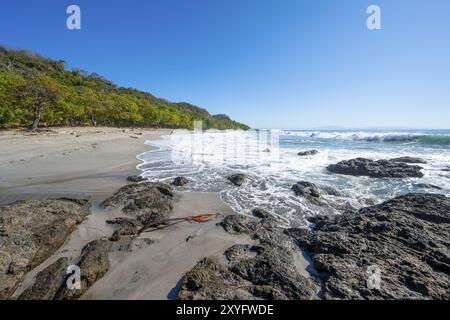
[(270, 160)]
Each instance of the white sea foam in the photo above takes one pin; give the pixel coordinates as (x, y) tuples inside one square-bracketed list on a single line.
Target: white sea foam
[(273, 166), (366, 136)]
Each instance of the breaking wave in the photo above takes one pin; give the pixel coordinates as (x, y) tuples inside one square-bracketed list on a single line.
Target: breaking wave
[(374, 136), (272, 167)]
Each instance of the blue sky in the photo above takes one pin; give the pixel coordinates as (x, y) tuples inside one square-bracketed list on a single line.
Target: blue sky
[(277, 63)]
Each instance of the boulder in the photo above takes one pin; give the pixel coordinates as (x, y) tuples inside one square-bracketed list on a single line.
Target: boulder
[(237, 179), (306, 189), (144, 201), (180, 181), (48, 282), (93, 264), (123, 231), (135, 179), (121, 222), (238, 224), (308, 153), (375, 169), (312, 192), (266, 270), (51, 283), (260, 213), (404, 242), (31, 231)]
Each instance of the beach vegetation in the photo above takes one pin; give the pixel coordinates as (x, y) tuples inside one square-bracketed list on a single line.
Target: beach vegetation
[(36, 91)]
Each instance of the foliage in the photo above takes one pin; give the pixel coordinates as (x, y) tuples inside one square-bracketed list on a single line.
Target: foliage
[(36, 90)]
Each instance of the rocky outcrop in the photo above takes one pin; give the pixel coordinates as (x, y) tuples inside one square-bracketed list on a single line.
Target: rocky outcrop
[(403, 242), (312, 192), (48, 282), (136, 179), (145, 201), (308, 153), (237, 179), (31, 231), (93, 264), (123, 231), (409, 160), (51, 283), (124, 227), (180, 181), (267, 270), (238, 224), (375, 169), (306, 189), (260, 213)]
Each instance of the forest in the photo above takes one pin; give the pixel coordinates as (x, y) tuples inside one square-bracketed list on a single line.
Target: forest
[(36, 92)]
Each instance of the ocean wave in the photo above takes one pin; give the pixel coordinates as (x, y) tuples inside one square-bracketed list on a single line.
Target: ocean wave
[(208, 162), (374, 136)]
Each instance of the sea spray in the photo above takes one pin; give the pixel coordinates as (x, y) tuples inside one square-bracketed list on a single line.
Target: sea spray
[(272, 167)]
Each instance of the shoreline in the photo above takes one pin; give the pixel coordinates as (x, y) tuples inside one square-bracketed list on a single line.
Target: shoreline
[(92, 163), (72, 162), (231, 256)]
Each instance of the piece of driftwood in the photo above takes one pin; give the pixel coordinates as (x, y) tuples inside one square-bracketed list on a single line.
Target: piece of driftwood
[(198, 219)]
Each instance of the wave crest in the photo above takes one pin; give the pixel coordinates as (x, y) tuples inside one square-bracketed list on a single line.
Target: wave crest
[(373, 136)]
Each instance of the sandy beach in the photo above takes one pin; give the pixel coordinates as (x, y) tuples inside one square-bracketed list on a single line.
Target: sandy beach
[(72, 162), (92, 163), (66, 201)]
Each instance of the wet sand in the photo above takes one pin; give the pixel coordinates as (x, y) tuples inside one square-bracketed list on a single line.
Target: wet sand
[(93, 163)]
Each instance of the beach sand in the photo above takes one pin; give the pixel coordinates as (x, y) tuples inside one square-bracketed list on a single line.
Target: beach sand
[(93, 163), (70, 162)]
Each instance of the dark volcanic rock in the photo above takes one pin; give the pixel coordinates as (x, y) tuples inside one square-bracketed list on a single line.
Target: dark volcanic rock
[(124, 227), (48, 282), (121, 222), (375, 169), (409, 160), (180, 181), (237, 179), (93, 264), (260, 213), (306, 189), (267, 270), (308, 153), (31, 231), (312, 192), (406, 239), (51, 283), (146, 201), (238, 224), (123, 231), (209, 280), (135, 179)]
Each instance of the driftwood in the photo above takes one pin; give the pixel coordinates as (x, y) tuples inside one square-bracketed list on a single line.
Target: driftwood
[(198, 219)]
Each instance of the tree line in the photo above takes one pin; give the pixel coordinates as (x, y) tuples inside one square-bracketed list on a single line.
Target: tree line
[(36, 91)]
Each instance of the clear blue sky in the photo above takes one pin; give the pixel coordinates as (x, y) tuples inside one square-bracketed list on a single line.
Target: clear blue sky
[(277, 63)]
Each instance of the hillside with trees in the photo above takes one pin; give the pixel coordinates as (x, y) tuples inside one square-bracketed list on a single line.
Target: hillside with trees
[(39, 92)]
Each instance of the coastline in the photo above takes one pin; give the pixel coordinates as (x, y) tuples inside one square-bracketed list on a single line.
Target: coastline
[(80, 210), (70, 162), (92, 163)]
